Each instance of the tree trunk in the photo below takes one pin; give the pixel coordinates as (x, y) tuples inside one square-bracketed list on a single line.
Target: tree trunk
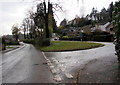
[(24, 35), (46, 21)]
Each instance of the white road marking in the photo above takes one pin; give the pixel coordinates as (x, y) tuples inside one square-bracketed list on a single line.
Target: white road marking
[(52, 58), (50, 64), (44, 55), (57, 62), (53, 71), (62, 62), (57, 78), (48, 61), (59, 65), (51, 67), (68, 75), (62, 69)]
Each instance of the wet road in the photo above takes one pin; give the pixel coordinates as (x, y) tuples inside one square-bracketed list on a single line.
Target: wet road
[(25, 65), (67, 64)]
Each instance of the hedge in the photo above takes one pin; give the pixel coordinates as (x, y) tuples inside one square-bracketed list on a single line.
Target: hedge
[(46, 42), (13, 43), (29, 41), (74, 38), (101, 38), (116, 26), (42, 42)]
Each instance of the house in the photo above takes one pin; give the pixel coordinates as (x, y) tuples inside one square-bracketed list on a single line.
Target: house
[(104, 28), (70, 22), (71, 31), (109, 28), (8, 38), (87, 30), (63, 23)]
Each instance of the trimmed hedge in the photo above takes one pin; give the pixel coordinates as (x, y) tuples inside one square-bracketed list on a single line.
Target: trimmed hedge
[(74, 38), (13, 43), (29, 41), (101, 38), (42, 42), (46, 42)]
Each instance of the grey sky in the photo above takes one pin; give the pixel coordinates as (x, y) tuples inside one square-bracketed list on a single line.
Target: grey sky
[(13, 11)]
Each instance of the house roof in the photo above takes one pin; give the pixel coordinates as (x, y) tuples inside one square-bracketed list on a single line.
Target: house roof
[(109, 25)]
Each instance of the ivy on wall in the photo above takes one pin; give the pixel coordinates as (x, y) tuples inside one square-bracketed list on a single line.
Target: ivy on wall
[(116, 25)]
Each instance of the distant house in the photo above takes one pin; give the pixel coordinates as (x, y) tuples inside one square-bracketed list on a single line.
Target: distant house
[(109, 29), (21, 36), (76, 20), (87, 30), (63, 23), (70, 22), (105, 28), (71, 31), (9, 38)]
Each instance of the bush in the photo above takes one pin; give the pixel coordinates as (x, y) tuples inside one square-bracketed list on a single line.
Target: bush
[(13, 43), (3, 44), (46, 42), (64, 38), (77, 38), (42, 42), (29, 41), (84, 38), (116, 26), (102, 38)]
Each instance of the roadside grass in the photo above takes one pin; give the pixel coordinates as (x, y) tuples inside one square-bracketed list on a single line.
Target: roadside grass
[(8, 46), (57, 46)]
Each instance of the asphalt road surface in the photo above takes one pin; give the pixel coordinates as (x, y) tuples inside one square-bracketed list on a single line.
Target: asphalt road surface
[(28, 65), (98, 65), (25, 65)]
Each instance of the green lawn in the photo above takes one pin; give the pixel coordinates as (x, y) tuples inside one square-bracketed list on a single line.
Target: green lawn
[(69, 46)]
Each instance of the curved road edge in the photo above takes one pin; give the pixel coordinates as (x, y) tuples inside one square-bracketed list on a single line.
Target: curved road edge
[(14, 48)]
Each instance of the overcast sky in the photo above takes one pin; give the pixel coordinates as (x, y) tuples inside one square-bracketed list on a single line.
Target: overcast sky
[(14, 11)]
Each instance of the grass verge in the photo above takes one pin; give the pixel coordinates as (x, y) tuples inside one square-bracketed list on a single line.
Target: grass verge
[(57, 46), (9, 46)]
